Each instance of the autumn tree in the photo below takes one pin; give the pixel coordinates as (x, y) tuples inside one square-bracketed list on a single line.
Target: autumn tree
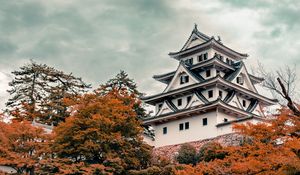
[(37, 91), (22, 146), (269, 148), (211, 151), (102, 130), (123, 82)]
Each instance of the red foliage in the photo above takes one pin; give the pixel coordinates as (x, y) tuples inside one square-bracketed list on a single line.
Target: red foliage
[(268, 148)]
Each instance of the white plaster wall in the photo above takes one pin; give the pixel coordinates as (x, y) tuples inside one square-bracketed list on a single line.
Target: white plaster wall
[(196, 42), (222, 74), (213, 73), (196, 131), (213, 51), (150, 141), (257, 111), (215, 94), (235, 102), (224, 93), (221, 116), (195, 56)]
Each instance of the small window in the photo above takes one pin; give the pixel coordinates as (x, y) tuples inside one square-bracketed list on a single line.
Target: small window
[(188, 99), (184, 79), (200, 58), (165, 130), (180, 126), (227, 60), (240, 80), (225, 120), (187, 125), (208, 73), (220, 94), (204, 121), (179, 102), (221, 57), (210, 93), (244, 103), (205, 56), (189, 61)]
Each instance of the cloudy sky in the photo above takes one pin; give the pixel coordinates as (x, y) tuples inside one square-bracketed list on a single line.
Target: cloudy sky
[(95, 39)]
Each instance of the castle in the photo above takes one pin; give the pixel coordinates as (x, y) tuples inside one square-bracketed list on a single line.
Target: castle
[(209, 91)]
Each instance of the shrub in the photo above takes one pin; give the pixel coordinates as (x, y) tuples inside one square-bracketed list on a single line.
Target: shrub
[(187, 154), (211, 151)]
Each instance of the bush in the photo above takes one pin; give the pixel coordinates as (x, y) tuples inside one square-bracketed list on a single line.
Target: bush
[(211, 151), (187, 154), (155, 170)]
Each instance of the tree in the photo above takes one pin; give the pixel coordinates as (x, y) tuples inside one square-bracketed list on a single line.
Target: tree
[(122, 82), (103, 130), (270, 149), (282, 85), (38, 91), (22, 146), (187, 155)]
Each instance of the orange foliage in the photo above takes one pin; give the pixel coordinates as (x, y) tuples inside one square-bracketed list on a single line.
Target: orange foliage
[(268, 148), (21, 145), (103, 130)]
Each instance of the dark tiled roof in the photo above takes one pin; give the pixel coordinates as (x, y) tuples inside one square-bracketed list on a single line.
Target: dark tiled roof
[(201, 97), (193, 67), (211, 42), (252, 105), (238, 120), (229, 96), (210, 104)]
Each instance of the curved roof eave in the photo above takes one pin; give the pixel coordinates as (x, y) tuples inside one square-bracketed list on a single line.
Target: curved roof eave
[(211, 42), (213, 80), (213, 104)]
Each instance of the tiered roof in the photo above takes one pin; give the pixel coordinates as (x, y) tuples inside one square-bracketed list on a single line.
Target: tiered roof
[(199, 104)]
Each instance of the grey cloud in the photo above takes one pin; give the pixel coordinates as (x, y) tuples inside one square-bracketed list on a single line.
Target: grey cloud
[(7, 47), (95, 39)]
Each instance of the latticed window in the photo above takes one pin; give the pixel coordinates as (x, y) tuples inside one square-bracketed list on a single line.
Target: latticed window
[(184, 79), (240, 80)]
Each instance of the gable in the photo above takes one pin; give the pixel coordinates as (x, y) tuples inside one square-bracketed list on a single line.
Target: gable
[(235, 102), (165, 109), (247, 83), (195, 101), (175, 82), (194, 40)]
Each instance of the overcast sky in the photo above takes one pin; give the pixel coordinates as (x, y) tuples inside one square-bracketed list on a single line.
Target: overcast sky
[(95, 39)]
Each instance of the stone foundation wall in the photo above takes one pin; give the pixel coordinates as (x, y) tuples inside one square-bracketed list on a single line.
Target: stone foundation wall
[(170, 151)]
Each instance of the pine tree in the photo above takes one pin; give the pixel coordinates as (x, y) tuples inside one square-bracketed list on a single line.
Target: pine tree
[(38, 92), (123, 82)]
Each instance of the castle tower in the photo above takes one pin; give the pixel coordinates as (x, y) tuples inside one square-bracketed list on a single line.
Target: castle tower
[(209, 91)]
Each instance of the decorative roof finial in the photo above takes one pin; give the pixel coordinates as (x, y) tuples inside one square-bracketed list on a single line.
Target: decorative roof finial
[(195, 27)]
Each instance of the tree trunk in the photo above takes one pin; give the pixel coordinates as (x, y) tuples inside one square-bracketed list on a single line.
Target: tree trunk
[(290, 103)]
